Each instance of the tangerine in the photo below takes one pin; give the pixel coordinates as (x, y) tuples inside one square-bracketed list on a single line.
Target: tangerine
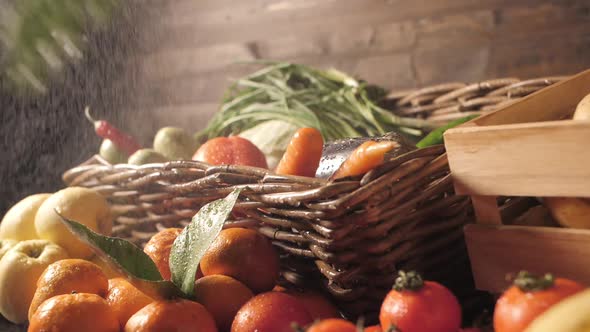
[(73, 313), (67, 276), (234, 150), (245, 255), (223, 296), (318, 306), (125, 299), (333, 325), (158, 248), (271, 312), (172, 316)]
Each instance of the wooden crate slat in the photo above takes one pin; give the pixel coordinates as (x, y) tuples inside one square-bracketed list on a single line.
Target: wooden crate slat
[(496, 251), (534, 159)]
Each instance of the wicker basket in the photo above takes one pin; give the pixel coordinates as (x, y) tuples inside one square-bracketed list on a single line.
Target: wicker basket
[(446, 102), (348, 236)]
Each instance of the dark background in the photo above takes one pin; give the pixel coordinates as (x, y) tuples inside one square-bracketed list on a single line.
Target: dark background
[(165, 62)]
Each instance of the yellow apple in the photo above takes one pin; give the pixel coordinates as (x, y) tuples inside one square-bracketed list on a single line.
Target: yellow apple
[(20, 268), (6, 245), (83, 205), (570, 315), (19, 222)]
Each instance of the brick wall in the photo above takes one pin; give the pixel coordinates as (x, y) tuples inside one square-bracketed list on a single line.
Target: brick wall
[(194, 45), (165, 62)]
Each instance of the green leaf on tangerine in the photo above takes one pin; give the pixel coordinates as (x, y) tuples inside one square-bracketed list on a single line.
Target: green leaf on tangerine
[(194, 240), (126, 258)]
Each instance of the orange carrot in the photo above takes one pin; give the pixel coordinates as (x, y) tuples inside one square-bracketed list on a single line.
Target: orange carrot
[(303, 153), (364, 158)]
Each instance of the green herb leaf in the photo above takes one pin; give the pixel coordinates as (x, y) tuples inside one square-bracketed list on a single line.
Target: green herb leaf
[(126, 258), (194, 240)]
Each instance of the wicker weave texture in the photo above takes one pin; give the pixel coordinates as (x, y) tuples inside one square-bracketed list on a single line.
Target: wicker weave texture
[(449, 101)]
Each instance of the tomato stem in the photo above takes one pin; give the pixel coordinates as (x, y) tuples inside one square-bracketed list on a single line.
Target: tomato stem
[(529, 282), (297, 328), (392, 328), (411, 281)]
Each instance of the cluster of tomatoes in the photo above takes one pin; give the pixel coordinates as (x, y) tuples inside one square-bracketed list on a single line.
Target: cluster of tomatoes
[(425, 306)]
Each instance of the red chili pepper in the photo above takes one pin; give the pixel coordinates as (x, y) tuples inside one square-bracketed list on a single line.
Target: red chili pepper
[(107, 131)]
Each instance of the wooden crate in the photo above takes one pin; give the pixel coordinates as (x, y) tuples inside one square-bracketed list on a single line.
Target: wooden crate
[(524, 149)]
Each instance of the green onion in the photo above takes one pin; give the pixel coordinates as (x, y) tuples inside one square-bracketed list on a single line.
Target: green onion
[(331, 101)]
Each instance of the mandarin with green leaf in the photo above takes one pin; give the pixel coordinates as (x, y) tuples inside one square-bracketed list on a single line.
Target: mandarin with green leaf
[(159, 247)]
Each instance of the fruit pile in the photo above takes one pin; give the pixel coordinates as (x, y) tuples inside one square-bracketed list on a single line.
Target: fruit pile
[(234, 285), (60, 271)]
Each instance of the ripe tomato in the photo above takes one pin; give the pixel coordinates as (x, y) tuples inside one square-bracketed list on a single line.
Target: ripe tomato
[(333, 325), (373, 328), (529, 297), (420, 306)]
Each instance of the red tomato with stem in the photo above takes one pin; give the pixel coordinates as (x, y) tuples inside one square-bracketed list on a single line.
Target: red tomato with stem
[(529, 297), (416, 305)]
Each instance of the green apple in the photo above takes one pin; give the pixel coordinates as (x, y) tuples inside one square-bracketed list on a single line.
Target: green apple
[(80, 204), (19, 222), (111, 153), (20, 268), (175, 143), (146, 156)]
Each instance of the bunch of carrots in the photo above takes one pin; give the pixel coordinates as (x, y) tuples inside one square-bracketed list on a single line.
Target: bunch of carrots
[(302, 156)]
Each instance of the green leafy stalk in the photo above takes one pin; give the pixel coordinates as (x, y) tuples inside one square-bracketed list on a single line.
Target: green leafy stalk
[(331, 101), (192, 243)]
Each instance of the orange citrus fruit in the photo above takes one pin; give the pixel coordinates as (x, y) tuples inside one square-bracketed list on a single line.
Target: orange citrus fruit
[(245, 255), (333, 325), (233, 150), (125, 299), (272, 312), (223, 296), (74, 313), (172, 316), (67, 276), (106, 268), (158, 248), (318, 306)]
